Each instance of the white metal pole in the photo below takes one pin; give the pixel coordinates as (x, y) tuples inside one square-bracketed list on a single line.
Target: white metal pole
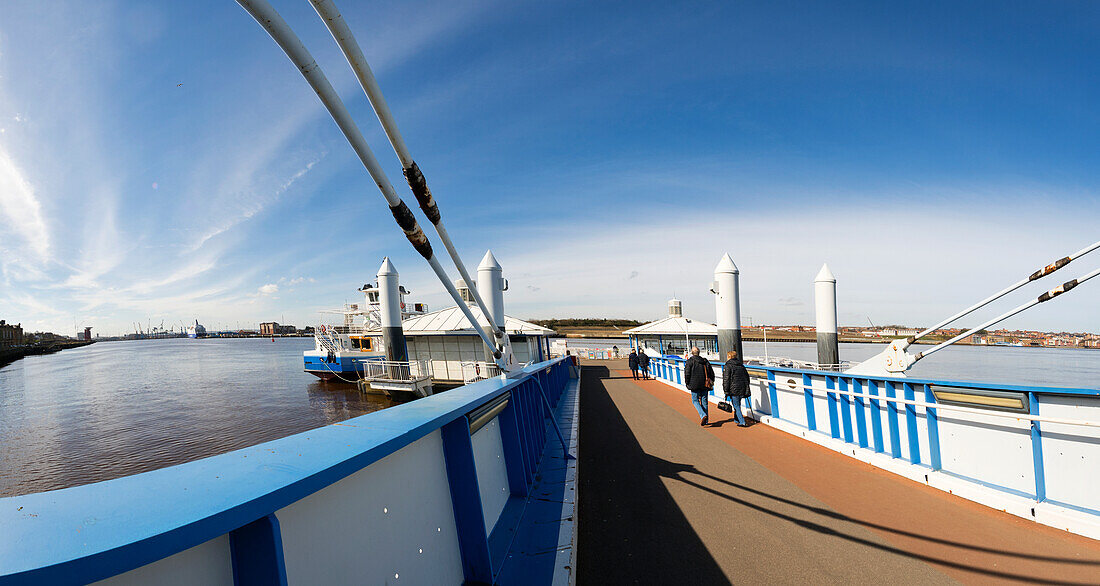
[(389, 292), (727, 307), (273, 23), (828, 347), (340, 31)]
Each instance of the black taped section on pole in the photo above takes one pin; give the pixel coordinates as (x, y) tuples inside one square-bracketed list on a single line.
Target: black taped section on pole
[(1058, 290), (1050, 268), (420, 189), (407, 221)]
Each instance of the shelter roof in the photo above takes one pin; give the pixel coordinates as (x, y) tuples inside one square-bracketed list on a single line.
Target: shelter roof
[(452, 321), (675, 326)]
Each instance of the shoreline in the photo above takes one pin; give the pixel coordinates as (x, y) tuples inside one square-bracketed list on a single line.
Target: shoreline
[(11, 355)]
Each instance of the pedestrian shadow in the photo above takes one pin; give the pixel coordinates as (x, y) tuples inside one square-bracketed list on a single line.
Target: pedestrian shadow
[(630, 530), (682, 473)]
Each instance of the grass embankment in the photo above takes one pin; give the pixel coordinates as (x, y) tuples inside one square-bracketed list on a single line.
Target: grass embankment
[(9, 355)]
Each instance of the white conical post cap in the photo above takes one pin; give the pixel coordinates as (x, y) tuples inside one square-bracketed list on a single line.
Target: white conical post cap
[(825, 275), (726, 265), (489, 261), (387, 268)]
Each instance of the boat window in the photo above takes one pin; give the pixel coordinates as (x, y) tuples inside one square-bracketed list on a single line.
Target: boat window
[(983, 399)]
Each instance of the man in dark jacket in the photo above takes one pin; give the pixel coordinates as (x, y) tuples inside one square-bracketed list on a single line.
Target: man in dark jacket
[(699, 379), (735, 384), (633, 359), (643, 363)]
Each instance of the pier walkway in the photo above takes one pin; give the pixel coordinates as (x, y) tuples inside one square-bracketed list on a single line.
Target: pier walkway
[(663, 500)]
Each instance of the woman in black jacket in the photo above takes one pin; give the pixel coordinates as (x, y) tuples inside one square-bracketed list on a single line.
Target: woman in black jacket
[(735, 384)]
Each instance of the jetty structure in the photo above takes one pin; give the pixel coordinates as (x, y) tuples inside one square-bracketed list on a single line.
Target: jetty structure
[(489, 483), (675, 334)]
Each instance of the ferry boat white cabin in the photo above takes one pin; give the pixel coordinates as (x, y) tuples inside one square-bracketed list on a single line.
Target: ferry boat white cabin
[(446, 340)]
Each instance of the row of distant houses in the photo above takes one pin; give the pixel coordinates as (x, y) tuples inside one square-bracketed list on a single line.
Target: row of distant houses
[(1037, 339)]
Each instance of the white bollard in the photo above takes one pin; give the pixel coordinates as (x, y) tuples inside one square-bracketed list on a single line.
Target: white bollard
[(727, 307), (828, 347)]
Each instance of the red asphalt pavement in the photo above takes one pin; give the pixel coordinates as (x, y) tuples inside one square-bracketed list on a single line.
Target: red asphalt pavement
[(737, 504)]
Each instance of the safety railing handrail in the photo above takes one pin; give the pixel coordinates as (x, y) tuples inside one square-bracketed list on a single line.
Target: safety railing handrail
[(131, 526), (818, 391), (983, 385)]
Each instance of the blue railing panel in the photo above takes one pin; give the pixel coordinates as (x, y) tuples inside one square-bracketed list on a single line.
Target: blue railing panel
[(257, 550), (845, 408), (892, 421), (911, 424), (834, 418), (933, 429), (1037, 451), (861, 412), (876, 417), (811, 417)]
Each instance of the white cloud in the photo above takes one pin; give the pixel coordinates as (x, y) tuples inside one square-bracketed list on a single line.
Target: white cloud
[(21, 208), (268, 289)]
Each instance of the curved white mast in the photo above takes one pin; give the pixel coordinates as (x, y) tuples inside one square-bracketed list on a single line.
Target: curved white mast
[(273, 23), (340, 31)]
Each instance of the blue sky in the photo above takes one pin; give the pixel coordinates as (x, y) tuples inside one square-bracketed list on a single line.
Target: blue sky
[(165, 161)]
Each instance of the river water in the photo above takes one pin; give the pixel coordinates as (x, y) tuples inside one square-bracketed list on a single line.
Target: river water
[(117, 408)]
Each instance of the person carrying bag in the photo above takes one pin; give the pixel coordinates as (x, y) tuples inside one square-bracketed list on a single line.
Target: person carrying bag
[(699, 379), (735, 384)]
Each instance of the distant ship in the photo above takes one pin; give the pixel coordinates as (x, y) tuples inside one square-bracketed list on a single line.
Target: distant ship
[(196, 331)]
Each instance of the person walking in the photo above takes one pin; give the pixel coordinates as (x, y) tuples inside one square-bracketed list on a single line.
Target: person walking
[(735, 384), (633, 359), (643, 363), (699, 379)]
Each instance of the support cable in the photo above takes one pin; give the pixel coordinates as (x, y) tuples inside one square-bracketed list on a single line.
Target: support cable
[(340, 31), (1039, 274), (288, 41)]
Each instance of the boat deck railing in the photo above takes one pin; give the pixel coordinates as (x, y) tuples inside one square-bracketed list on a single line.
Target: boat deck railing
[(433, 491), (473, 371), (396, 370), (1027, 449)]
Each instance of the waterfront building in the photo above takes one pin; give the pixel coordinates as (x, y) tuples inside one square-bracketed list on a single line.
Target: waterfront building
[(273, 328), (10, 335), (675, 334)]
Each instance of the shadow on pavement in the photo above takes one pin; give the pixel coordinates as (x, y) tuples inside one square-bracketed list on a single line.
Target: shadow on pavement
[(630, 530)]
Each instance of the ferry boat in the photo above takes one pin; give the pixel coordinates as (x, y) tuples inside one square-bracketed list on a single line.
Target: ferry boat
[(340, 350), (196, 331)]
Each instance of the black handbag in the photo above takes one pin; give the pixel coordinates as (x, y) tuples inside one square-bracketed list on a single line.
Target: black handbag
[(724, 406)]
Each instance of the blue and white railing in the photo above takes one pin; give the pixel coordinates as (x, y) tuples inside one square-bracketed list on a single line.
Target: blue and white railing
[(1032, 451), (434, 491)]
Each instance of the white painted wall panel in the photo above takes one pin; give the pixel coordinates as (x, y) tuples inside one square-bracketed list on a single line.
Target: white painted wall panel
[(1071, 453), (821, 404), (991, 449), (760, 400), (492, 474), (206, 563), (792, 402), (391, 522)]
